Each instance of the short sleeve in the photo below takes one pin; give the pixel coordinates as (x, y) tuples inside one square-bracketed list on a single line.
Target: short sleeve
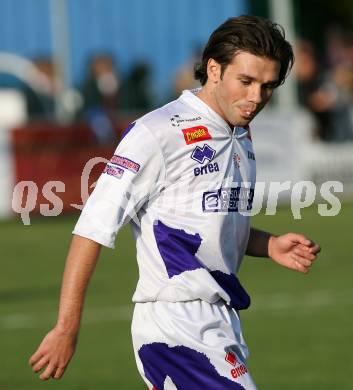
[(135, 174)]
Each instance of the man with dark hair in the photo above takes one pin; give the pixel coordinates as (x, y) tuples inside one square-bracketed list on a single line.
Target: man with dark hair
[(250, 34), (184, 175)]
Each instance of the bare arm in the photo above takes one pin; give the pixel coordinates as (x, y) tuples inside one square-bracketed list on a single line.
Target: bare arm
[(59, 344), (291, 250)]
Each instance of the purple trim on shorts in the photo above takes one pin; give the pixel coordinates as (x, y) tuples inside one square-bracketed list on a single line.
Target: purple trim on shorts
[(177, 248), (187, 368)]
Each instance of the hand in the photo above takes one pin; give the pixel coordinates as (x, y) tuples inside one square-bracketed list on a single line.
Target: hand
[(293, 251), (54, 353)]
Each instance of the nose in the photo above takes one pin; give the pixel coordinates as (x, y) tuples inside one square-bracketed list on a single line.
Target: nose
[(255, 94)]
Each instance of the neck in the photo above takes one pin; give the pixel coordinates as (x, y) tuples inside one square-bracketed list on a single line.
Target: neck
[(206, 95)]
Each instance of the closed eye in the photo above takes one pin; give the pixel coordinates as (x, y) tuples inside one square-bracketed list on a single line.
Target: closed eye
[(269, 86), (245, 81)]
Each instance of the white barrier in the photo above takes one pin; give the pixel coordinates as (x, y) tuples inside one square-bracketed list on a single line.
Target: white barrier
[(6, 174), (286, 151), (13, 112)]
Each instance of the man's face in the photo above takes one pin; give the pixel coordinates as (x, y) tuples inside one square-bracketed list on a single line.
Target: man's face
[(244, 89)]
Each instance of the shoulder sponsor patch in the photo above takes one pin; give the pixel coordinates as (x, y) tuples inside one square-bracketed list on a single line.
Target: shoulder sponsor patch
[(113, 171), (196, 134), (125, 163)]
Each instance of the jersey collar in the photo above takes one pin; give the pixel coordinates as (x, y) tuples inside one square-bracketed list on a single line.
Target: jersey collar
[(189, 97)]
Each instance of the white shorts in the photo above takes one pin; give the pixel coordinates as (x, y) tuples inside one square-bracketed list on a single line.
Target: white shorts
[(190, 345)]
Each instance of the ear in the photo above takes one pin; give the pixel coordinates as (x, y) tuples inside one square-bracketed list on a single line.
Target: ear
[(213, 70)]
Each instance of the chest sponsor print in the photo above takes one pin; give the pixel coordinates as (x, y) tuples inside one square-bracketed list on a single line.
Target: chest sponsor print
[(196, 134), (231, 199), (176, 120)]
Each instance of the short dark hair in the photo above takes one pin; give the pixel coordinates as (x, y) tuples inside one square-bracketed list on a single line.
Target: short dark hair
[(251, 34)]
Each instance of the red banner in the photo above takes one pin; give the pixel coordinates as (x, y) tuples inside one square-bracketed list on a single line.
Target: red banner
[(46, 153)]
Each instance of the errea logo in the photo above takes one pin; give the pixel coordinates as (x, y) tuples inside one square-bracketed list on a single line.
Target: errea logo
[(202, 154), (206, 153), (239, 368), (205, 169)]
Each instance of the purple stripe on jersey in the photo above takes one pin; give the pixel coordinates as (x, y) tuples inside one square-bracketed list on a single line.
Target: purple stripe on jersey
[(125, 132), (187, 368), (239, 298), (177, 248)]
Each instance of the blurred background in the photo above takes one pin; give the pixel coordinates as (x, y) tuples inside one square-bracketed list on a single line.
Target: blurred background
[(73, 75)]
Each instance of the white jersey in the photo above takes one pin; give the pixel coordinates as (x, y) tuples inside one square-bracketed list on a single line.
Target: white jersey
[(185, 181)]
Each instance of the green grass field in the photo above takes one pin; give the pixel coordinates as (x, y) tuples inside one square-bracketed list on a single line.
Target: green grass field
[(299, 328)]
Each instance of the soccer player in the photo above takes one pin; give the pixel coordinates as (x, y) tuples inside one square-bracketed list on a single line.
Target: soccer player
[(184, 176)]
